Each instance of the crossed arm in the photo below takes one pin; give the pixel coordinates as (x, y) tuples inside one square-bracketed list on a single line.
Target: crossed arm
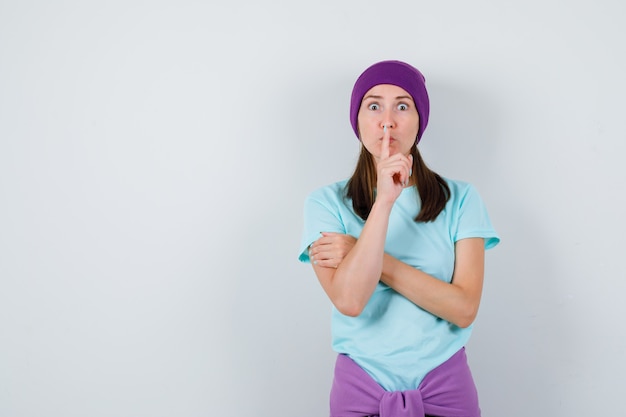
[(349, 270)]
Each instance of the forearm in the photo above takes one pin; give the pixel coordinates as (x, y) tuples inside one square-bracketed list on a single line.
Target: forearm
[(455, 303), (359, 272)]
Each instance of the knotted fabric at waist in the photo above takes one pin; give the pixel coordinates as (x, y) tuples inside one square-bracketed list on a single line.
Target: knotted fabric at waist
[(446, 391)]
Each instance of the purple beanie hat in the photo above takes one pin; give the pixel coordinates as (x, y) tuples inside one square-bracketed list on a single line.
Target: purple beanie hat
[(396, 73)]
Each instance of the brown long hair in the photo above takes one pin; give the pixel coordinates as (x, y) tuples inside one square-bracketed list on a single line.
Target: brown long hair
[(432, 189)]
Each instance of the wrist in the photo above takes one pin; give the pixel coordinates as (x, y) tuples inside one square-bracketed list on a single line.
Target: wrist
[(388, 268), (382, 205)]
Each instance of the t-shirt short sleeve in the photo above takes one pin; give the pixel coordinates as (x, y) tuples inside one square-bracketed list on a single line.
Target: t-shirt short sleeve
[(473, 219), (321, 214)]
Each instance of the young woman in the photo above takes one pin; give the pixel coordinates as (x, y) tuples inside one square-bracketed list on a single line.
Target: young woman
[(399, 251)]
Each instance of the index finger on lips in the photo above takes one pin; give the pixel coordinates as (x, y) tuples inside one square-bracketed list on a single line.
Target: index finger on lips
[(384, 151)]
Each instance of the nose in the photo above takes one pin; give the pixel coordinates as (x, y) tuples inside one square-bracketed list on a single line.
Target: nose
[(387, 120)]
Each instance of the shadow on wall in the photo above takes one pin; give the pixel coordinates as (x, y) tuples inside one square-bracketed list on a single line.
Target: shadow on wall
[(521, 333), (280, 323)]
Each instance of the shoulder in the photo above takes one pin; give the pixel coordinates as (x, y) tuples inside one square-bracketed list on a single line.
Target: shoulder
[(459, 188), (469, 212), (329, 193), (463, 194), (457, 185)]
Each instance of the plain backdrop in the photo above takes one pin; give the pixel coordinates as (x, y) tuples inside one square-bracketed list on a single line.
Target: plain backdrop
[(154, 159)]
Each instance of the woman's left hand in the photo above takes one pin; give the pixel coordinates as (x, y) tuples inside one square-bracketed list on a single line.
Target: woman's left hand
[(330, 249)]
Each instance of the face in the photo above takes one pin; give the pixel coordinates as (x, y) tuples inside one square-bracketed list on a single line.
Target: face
[(390, 105)]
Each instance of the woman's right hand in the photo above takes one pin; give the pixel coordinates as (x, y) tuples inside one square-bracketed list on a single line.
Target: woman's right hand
[(394, 172)]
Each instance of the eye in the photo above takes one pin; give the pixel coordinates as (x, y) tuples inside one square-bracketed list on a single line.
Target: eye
[(373, 106), (403, 107)]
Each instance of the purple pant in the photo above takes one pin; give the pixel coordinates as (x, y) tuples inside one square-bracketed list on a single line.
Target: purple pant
[(447, 391)]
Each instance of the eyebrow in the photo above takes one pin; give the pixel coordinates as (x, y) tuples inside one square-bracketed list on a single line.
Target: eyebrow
[(380, 97)]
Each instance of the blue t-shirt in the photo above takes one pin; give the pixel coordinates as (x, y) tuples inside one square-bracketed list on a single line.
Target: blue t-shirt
[(393, 339)]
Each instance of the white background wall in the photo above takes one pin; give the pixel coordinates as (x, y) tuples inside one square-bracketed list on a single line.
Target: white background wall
[(154, 158)]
